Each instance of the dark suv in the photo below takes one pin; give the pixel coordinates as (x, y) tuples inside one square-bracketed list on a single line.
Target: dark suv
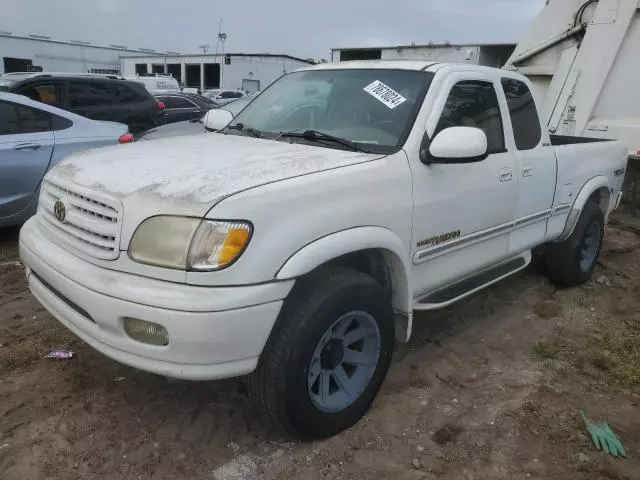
[(98, 98)]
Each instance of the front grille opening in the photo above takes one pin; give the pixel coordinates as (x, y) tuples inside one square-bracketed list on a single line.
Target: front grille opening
[(64, 191), (94, 214), (69, 303), (80, 239), (91, 226)]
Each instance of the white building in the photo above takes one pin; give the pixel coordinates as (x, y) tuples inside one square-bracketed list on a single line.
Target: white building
[(249, 71), (492, 55), (23, 53)]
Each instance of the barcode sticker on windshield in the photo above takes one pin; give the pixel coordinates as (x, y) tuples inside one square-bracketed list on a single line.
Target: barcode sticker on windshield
[(385, 94)]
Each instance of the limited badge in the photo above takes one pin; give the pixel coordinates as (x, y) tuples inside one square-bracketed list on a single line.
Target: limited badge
[(385, 94)]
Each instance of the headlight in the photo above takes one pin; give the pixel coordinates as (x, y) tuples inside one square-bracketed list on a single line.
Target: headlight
[(189, 243), (216, 245), (163, 241)]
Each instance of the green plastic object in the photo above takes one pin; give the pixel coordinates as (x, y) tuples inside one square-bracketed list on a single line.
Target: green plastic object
[(604, 438)]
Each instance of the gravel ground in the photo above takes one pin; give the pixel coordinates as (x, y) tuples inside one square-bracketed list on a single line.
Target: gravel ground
[(488, 389)]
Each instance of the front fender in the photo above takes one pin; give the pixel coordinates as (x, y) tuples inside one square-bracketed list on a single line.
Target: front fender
[(352, 240)]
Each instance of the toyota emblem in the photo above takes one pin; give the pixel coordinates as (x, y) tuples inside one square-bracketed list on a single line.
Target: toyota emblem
[(59, 211)]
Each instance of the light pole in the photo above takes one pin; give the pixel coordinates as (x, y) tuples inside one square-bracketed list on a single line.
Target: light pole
[(222, 37), (204, 47)]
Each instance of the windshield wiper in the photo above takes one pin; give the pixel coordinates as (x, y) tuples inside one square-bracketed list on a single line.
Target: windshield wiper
[(243, 128), (315, 135)]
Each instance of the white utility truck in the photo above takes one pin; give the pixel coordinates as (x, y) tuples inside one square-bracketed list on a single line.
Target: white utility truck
[(296, 244), (582, 57)]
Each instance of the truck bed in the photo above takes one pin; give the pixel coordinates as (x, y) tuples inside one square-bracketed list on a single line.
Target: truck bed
[(583, 159)]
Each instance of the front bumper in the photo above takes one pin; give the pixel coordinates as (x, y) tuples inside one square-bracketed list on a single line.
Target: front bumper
[(213, 332)]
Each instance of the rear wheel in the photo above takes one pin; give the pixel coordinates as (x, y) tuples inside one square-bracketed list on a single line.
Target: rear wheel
[(572, 261), (635, 206), (328, 354)]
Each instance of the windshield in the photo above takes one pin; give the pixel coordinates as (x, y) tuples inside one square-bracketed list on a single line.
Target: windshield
[(372, 108), (236, 106)]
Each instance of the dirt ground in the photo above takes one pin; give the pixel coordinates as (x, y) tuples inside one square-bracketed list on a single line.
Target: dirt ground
[(491, 388)]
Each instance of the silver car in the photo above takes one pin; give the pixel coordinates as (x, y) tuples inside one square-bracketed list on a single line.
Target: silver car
[(33, 138)]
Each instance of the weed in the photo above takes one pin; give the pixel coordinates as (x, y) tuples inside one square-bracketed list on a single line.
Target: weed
[(621, 346), (547, 350)]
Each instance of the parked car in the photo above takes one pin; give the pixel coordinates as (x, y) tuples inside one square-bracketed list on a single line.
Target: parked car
[(184, 106), (8, 79), (156, 83), (192, 126), (96, 97), (297, 246), (222, 97), (33, 138)]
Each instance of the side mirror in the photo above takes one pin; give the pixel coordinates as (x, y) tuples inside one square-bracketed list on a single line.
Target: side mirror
[(217, 119), (457, 145)]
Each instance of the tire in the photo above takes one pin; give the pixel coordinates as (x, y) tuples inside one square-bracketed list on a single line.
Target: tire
[(283, 384), (567, 262), (635, 206)]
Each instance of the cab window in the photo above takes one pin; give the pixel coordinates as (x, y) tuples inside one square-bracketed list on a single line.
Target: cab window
[(527, 132), (474, 104)]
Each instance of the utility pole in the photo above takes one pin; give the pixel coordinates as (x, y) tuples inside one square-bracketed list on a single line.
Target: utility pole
[(222, 37)]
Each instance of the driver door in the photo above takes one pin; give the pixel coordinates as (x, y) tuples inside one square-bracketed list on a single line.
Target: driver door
[(464, 212)]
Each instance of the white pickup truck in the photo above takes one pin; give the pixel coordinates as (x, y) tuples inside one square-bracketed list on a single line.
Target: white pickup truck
[(296, 244)]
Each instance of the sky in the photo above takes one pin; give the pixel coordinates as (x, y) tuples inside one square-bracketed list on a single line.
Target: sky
[(271, 26)]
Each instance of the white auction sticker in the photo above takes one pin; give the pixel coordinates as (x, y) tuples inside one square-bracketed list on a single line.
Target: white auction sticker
[(385, 94)]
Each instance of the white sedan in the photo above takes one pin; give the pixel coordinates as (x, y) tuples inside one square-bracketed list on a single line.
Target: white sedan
[(222, 96), (33, 138)]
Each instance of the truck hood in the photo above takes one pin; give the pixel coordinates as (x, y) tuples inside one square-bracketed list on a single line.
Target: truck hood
[(188, 175)]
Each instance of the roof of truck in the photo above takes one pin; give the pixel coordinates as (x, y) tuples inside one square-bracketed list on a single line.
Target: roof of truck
[(375, 64), (425, 65)]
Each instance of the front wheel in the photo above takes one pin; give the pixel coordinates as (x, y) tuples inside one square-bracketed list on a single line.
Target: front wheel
[(572, 261), (328, 354)]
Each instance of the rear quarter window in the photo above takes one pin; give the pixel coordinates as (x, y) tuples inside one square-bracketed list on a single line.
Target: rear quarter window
[(127, 94), (90, 94), (9, 124), (33, 121), (60, 123), (19, 119), (527, 132)]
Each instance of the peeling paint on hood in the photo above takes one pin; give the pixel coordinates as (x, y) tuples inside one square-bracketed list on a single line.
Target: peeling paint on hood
[(197, 169)]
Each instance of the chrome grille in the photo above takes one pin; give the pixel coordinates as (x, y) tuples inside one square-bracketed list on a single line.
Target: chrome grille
[(91, 224)]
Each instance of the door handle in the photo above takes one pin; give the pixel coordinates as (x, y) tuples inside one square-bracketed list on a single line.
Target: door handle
[(27, 146), (506, 175), (527, 170)]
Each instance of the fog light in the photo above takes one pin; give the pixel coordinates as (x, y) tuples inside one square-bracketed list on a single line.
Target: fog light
[(146, 332)]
